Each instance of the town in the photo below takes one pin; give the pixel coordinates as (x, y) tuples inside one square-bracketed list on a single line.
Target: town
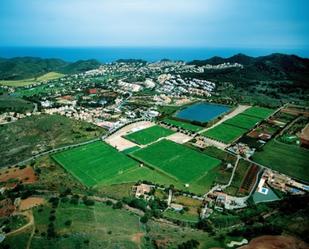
[(183, 153)]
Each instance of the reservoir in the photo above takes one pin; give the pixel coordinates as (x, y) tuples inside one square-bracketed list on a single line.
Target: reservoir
[(202, 112)]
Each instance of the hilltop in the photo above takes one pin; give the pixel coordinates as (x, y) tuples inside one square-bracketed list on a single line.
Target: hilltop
[(264, 68), (30, 67)]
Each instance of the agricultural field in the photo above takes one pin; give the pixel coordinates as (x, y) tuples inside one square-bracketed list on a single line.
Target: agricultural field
[(149, 135), (239, 175), (183, 125), (285, 158), (26, 82), (178, 161), (259, 112), (224, 133), (94, 162), (243, 121), (189, 217), (44, 132)]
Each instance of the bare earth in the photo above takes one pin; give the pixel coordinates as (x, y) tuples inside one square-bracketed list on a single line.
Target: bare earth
[(25, 175), (276, 242), (179, 138), (30, 203), (116, 140)]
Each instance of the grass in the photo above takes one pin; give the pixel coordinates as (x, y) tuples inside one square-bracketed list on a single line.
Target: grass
[(149, 135), (131, 149), (243, 121), (178, 161), (31, 135), (259, 112), (101, 225), (288, 159), (183, 125), (18, 241), (123, 182), (26, 82), (11, 104), (94, 163), (185, 217), (224, 133)]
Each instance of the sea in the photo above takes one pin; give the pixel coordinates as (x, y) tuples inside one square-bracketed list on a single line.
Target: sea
[(150, 54)]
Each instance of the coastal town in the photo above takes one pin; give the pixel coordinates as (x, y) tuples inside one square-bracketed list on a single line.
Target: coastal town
[(148, 108)]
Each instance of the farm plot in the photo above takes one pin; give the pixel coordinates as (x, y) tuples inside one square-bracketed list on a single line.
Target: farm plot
[(148, 135), (243, 121), (259, 112), (224, 133), (285, 158), (94, 163), (177, 161)]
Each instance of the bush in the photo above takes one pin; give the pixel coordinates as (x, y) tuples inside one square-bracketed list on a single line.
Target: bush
[(68, 223), (190, 244), (52, 217), (144, 219), (118, 205)]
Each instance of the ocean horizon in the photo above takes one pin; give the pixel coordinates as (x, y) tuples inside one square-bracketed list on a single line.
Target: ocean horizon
[(150, 54)]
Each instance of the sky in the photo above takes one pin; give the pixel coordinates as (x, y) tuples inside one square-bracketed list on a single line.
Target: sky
[(162, 23)]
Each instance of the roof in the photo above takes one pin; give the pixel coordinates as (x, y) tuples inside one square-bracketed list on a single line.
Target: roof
[(305, 132)]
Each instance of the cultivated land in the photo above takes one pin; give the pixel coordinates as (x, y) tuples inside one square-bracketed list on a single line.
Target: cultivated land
[(149, 135), (26, 82), (288, 159), (243, 121), (259, 112), (224, 133), (93, 163), (179, 161), (183, 125)]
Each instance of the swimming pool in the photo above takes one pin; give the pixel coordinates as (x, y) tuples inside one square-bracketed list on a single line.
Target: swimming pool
[(202, 112)]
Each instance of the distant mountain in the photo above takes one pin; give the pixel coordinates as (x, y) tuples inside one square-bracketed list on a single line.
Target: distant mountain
[(263, 68), (29, 67)]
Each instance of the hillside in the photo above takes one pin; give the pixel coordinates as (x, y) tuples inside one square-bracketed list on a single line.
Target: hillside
[(32, 67), (274, 67)]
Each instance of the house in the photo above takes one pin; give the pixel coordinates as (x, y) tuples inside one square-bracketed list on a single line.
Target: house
[(92, 91), (304, 137), (176, 207), (142, 190)]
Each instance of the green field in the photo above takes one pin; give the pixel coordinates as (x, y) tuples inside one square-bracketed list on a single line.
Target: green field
[(243, 121), (148, 135), (94, 162), (183, 125), (288, 159), (259, 112), (178, 161), (224, 133), (26, 82)]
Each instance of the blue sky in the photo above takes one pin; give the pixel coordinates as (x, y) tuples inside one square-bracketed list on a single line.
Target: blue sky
[(166, 23)]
